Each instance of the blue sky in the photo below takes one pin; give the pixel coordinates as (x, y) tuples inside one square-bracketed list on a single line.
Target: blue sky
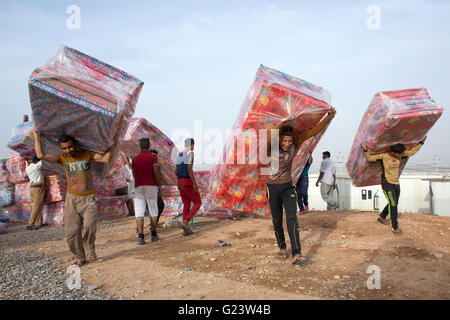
[(199, 58)]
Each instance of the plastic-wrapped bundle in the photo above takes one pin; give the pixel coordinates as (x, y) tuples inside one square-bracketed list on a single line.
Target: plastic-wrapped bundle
[(104, 187), (18, 212), (16, 167), (111, 207), (6, 194), (400, 116), (53, 213), (118, 174), (4, 173), (275, 98), (55, 188), (80, 96), (22, 192), (22, 140), (141, 128)]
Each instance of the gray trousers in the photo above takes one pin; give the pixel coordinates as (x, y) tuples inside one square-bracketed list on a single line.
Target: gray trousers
[(326, 190)]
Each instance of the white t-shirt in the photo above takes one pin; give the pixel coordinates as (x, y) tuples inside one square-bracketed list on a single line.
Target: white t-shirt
[(34, 172), (328, 169)]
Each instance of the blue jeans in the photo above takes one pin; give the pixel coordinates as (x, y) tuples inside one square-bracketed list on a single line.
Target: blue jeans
[(302, 192)]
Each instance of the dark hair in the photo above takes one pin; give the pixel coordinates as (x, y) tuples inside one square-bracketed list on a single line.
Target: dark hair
[(327, 153), (154, 151), (286, 131), (188, 142), (35, 159), (144, 143), (65, 138), (398, 148)]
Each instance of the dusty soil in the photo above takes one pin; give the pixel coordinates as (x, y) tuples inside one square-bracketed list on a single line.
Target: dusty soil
[(340, 245)]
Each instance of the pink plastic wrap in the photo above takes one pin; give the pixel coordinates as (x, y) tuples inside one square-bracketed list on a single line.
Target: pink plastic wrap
[(141, 128), (6, 193), (80, 96), (400, 116), (55, 188), (18, 212), (4, 173), (53, 213), (274, 98), (104, 187), (16, 167), (112, 207), (22, 192)]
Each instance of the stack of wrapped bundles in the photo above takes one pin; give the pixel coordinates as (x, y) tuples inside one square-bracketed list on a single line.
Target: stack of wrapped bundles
[(400, 116), (22, 140), (4, 173), (82, 97), (174, 206), (274, 99), (104, 187), (112, 207), (16, 166), (17, 212), (6, 194), (53, 213), (55, 188), (22, 192), (141, 128), (119, 175)]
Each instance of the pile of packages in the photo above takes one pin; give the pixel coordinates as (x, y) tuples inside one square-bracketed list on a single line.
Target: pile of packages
[(400, 116), (80, 96), (274, 99)]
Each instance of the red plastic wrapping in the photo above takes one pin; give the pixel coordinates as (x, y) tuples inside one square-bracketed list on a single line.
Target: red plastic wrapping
[(400, 116), (274, 98)]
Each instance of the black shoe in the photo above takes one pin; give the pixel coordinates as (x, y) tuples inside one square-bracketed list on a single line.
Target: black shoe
[(155, 238), (44, 225), (33, 227), (141, 239)]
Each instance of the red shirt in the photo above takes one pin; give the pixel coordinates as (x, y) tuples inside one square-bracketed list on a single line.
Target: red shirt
[(142, 166)]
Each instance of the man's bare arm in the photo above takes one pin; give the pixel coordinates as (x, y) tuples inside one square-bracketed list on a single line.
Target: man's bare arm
[(39, 152)]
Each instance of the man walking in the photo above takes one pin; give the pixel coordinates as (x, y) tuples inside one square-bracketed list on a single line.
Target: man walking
[(390, 164), (187, 184), (327, 179), (302, 187), (37, 191), (147, 185), (80, 206)]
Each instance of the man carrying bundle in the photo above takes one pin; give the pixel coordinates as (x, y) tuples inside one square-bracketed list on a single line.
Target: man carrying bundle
[(80, 206), (390, 164)]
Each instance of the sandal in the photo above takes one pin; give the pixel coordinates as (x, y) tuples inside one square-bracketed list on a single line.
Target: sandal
[(283, 255), (187, 232), (383, 221), (299, 259), (91, 257), (397, 232), (79, 263)]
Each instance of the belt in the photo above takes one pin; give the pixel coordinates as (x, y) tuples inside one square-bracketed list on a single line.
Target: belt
[(36, 185)]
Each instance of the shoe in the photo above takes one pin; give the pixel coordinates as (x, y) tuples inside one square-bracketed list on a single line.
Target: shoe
[(299, 259), (397, 232), (44, 225), (306, 208), (155, 238), (382, 221), (141, 241), (302, 212), (33, 227)]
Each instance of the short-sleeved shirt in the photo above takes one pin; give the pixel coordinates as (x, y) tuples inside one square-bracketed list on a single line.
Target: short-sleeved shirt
[(78, 172), (184, 158), (34, 172), (142, 166), (285, 158), (329, 170), (306, 170)]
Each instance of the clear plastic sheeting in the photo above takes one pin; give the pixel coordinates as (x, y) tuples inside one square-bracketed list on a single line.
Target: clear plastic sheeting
[(141, 128), (22, 140), (275, 98), (80, 96), (399, 116)]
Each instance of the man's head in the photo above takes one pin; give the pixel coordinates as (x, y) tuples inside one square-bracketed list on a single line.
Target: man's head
[(35, 159), (189, 144), (154, 151), (397, 149), (144, 144), (67, 145), (326, 154), (286, 137), (25, 118)]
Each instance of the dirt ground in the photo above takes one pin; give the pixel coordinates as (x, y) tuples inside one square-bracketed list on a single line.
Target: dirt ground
[(340, 245)]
